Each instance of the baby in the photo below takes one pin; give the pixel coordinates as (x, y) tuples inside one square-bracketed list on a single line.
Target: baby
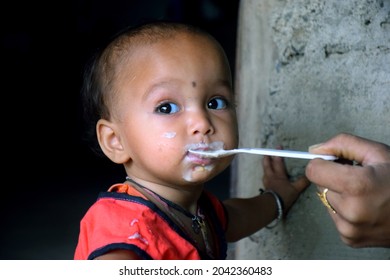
[(153, 93)]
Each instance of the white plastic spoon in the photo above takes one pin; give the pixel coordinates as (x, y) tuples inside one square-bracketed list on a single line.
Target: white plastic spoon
[(258, 151)]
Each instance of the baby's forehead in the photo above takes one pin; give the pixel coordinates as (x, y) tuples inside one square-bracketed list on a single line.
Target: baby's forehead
[(173, 37), (133, 51), (152, 34), (134, 46)]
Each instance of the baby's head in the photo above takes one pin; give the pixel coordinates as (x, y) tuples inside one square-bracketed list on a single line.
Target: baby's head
[(157, 90)]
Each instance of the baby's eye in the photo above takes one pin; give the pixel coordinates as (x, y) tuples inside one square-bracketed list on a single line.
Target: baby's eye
[(167, 108), (217, 103)]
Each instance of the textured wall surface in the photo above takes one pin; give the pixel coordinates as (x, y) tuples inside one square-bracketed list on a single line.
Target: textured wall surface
[(305, 71)]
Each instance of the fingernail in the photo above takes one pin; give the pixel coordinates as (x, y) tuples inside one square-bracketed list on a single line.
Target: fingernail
[(313, 147)]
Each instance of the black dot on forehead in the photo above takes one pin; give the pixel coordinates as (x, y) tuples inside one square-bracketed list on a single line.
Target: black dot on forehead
[(193, 84)]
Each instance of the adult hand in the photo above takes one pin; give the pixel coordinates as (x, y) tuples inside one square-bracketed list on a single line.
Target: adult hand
[(358, 192)]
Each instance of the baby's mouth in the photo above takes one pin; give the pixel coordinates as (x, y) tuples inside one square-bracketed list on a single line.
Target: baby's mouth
[(217, 145), (198, 159)]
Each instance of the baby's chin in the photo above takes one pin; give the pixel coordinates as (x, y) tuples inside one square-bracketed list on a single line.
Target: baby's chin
[(200, 173)]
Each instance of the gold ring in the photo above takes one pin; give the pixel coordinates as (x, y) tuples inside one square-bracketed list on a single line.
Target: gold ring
[(325, 201)]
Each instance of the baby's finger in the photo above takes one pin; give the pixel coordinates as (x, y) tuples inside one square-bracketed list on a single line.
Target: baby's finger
[(279, 166), (267, 165), (301, 183)]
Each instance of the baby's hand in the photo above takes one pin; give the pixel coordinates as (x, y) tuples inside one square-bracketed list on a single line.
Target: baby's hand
[(276, 178)]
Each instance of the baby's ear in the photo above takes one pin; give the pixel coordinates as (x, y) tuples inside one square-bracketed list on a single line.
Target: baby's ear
[(110, 141)]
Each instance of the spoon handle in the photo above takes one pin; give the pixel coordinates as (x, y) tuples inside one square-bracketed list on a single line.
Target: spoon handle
[(284, 153), (265, 152)]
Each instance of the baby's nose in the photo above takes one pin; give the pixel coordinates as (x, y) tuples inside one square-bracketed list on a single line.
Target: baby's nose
[(200, 123)]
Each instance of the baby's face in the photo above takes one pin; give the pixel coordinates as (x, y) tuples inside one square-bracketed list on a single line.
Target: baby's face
[(175, 95)]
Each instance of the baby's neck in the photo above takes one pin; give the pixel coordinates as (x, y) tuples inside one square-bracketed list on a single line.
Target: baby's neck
[(186, 197)]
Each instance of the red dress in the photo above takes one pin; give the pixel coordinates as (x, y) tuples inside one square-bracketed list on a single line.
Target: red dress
[(123, 218)]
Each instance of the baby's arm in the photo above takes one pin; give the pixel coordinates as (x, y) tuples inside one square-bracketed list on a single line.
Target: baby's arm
[(119, 255), (248, 215)]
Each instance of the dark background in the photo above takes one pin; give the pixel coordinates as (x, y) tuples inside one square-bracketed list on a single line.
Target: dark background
[(50, 177)]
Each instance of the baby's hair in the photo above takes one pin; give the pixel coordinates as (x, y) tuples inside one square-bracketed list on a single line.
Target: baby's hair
[(104, 68)]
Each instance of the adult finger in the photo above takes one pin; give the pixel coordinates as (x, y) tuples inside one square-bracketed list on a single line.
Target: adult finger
[(335, 176), (330, 199), (351, 147)]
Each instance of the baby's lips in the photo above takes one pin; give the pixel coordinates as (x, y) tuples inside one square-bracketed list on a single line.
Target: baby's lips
[(197, 159)]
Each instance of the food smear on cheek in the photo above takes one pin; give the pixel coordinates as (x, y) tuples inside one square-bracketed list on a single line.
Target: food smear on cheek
[(169, 135)]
